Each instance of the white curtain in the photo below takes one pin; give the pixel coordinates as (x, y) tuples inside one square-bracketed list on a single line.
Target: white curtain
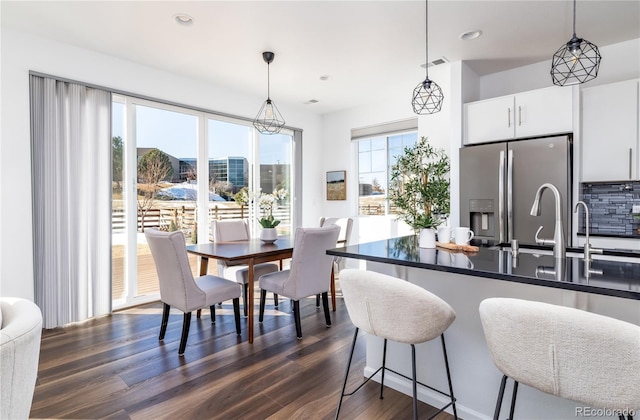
[(71, 184)]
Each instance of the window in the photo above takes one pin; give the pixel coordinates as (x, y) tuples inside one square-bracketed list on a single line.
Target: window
[(376, 155)]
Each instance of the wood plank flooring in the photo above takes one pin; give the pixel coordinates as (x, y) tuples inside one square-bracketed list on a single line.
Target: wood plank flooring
[(115, 367)]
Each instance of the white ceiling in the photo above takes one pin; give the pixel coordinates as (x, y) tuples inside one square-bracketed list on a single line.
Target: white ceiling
[(368, 49)]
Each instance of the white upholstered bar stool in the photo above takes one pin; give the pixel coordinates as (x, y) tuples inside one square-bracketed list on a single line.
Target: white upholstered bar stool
[(396, 310), (238, 230), (581, 356)]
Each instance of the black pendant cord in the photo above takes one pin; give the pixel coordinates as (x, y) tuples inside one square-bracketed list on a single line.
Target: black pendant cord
[(574, 18), (268, 83), (426, 30)]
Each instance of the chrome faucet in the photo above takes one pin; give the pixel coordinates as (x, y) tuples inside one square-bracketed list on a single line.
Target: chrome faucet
[(558, 234), (587, 245)]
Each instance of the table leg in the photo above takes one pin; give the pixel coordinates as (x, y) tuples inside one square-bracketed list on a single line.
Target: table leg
[(204, 266), (250, 299), (333, 287)]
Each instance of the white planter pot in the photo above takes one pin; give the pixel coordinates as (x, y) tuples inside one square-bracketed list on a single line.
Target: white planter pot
[(269, 235), (427, 238)]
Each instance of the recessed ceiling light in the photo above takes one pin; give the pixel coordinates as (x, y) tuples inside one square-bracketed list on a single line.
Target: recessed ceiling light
[(324, 77), (311, 101), (468, 36), (183, 19)]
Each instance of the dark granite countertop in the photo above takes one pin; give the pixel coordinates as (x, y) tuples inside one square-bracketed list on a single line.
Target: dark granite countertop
[(616, 273)]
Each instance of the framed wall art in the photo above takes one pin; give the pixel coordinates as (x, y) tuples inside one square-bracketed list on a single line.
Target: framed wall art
[(337, 185)]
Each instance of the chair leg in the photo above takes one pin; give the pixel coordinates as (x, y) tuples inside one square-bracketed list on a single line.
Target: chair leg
[(317, 301), (198, 313), (165, 320), (296, 316), (513, 399), (446, 364), (333, 287), (503, 383), (325, 306), (414, 382), (236, 313), (346, 374), (245, 304), (384, 364), (186, 322), (275, 300), (212, 308), (263, 301)]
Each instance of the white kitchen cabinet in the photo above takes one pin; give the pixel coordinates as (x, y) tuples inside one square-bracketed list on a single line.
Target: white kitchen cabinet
[(527, 114), (610, 132)]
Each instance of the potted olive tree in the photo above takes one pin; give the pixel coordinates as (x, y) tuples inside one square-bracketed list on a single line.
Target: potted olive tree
[(419, 189)]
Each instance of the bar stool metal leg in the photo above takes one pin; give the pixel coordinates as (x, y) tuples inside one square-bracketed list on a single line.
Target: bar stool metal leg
[(446, 365), (503, 383), (346, 374), (384, 363), (415, 383), (513, 399)]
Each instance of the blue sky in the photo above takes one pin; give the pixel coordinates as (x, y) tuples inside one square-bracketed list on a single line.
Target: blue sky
[(175, 134)]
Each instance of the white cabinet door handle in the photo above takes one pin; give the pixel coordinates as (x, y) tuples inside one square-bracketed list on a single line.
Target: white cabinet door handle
[(508, 117), (630, 163), (519, 115)]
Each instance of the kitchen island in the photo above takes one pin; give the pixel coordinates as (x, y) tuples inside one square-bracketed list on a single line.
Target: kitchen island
[(608, 285)]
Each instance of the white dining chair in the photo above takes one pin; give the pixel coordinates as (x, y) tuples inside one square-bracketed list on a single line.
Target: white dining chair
[(178, 287), (309, 274), (238, 230), (346, 224)]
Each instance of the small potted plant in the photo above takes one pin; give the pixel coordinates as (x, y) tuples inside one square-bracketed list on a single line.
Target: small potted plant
[(419, 189), (267, 202)]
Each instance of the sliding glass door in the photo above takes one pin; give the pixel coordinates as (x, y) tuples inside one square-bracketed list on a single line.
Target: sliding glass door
[(160, 156)]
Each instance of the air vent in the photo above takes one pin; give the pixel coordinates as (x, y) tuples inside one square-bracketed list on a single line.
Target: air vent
[(435, 62)]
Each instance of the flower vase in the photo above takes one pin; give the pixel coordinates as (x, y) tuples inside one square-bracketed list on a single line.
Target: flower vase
[(427, 238), (268, 235)]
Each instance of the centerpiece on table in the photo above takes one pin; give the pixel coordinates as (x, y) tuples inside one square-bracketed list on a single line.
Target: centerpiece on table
[(267, 202), (419, 189)]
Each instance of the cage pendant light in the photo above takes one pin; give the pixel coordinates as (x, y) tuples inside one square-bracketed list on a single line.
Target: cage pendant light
[(575, 62), (427, 96), (269, 120)]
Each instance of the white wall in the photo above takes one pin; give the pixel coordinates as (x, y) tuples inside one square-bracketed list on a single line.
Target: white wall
[(22, 53)]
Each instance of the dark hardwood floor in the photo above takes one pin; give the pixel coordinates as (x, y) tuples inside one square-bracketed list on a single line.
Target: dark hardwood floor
[(115, 367)]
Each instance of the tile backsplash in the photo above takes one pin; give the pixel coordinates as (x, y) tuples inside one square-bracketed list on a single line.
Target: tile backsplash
[(611, 207)]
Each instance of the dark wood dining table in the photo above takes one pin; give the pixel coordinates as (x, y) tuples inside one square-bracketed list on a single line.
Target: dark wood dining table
[(250, 252)]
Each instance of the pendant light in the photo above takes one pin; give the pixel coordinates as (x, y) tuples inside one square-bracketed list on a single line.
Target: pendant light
[(427, 96), (269, 120), (575, 62)]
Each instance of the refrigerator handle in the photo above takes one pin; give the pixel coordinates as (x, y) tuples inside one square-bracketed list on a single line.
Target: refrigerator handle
[(501, 197), (510, 196)]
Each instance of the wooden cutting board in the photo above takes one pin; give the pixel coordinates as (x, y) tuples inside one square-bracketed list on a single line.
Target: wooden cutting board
[(455, 247)]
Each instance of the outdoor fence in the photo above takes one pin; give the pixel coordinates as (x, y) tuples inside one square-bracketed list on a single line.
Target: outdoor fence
[(184, 217)]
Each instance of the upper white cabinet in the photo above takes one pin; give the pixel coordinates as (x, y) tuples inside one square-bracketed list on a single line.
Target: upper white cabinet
[(610, 132), (538, 112)]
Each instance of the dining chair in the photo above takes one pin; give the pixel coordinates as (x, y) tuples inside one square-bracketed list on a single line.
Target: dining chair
[(178, 287), (309, 273), (238, 230), (346, 224), (570, 353)]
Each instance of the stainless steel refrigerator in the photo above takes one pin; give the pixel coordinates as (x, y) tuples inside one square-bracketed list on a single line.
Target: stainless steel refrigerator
[(499, 181)]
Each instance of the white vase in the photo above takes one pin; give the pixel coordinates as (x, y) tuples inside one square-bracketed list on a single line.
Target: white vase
[(427, 238), (269, 235)]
